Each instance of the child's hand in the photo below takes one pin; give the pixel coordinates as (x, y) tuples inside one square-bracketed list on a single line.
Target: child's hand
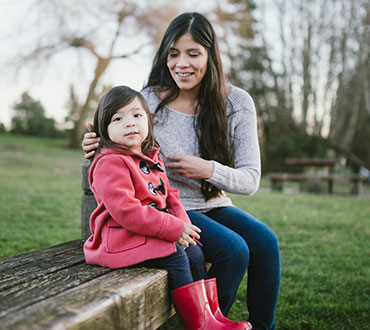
[(190, 231)]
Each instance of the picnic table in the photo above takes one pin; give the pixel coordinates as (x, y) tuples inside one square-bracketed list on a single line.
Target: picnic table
[(314, 167), (315, 175)]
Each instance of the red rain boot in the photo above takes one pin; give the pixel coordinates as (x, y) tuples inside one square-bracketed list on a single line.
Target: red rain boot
[(193, 309), (211, 289)]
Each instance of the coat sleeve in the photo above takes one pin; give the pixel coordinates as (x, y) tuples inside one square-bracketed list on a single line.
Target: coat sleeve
[(111, 182)]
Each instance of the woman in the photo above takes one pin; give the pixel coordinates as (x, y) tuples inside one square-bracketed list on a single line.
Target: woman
[(207, 130)]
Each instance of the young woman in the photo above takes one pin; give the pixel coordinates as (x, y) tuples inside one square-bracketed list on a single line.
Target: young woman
[(140, 219), (207, 130)]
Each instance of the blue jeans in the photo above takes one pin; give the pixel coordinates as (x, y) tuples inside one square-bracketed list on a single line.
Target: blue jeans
[(183, 266), (234, 241)]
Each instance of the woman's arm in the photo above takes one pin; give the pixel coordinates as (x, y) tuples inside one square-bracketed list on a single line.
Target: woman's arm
[(244, 177)]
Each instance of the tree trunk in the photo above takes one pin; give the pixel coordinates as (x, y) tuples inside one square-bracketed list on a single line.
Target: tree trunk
[(79, 129)]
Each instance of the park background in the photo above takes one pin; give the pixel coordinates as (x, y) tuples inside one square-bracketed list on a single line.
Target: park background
[(306, 64)]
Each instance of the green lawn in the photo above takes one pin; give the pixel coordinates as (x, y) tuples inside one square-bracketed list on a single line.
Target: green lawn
[(325, 251), (40, 193), (325, 240)]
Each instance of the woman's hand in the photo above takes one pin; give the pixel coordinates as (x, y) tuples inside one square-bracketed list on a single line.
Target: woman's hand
[(189, 232), (191, 167), (90, 142)]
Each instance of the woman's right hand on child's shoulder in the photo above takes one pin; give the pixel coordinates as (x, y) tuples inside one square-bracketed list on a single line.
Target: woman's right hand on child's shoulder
[(90, 142), (189, 232)]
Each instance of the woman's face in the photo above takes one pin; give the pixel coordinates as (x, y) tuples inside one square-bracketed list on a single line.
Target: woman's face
[(187, 61)]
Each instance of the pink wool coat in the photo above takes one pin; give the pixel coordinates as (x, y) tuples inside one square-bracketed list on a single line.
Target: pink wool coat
[(125, 229)]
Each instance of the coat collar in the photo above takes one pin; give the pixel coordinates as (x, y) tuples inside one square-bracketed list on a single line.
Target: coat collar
[(151, 157)]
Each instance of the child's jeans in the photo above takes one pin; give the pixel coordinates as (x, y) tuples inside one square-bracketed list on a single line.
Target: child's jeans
[(184, 266)]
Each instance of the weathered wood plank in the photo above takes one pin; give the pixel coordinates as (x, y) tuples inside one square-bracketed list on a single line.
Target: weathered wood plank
[(37, 255), (88, 202), (47, 285), (85, 176), (123, 299), (88, 205), (25, 267)]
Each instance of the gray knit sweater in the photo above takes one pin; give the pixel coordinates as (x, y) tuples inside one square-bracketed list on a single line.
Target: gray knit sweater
[(176, 135)]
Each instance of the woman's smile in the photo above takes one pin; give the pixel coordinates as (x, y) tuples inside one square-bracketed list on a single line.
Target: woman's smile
[(184, 74)]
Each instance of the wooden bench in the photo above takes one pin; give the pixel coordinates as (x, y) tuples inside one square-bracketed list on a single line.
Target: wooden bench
[(306, 182), (357, 184), (312, 183), (54, 288)]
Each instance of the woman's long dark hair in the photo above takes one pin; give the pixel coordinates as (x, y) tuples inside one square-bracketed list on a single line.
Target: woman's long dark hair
[(211, 125), (108, 105)]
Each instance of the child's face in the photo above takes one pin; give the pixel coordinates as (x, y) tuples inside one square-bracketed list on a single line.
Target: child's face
[(129, 126)]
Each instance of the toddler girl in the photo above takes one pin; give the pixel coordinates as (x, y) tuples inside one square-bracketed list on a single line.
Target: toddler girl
[(139, 219)]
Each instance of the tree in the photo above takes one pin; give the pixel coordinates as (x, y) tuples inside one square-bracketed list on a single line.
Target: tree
[(2, 128), (350, 113), (309, 79), (98, 31), (29, 118), (350, 131), (249, 66)]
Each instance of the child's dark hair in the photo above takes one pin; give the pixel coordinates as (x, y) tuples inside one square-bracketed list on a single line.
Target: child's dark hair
[(108, 105)]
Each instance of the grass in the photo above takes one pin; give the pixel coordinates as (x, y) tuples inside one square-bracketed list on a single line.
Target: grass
[(40, 193), (324, 239), (325, 250)]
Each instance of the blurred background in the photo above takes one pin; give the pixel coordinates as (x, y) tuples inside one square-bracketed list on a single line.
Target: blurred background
[(305, 63)]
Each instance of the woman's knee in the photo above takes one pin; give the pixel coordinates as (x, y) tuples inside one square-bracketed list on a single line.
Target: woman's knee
[(221, 245), (269, 243), (237, 251), (241, 253)]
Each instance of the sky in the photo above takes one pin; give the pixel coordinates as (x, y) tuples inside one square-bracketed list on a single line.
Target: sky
[(51, 88), (50, 83)]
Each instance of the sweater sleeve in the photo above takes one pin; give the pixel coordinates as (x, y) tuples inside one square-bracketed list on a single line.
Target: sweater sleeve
[(113, 187), (244, 178)]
